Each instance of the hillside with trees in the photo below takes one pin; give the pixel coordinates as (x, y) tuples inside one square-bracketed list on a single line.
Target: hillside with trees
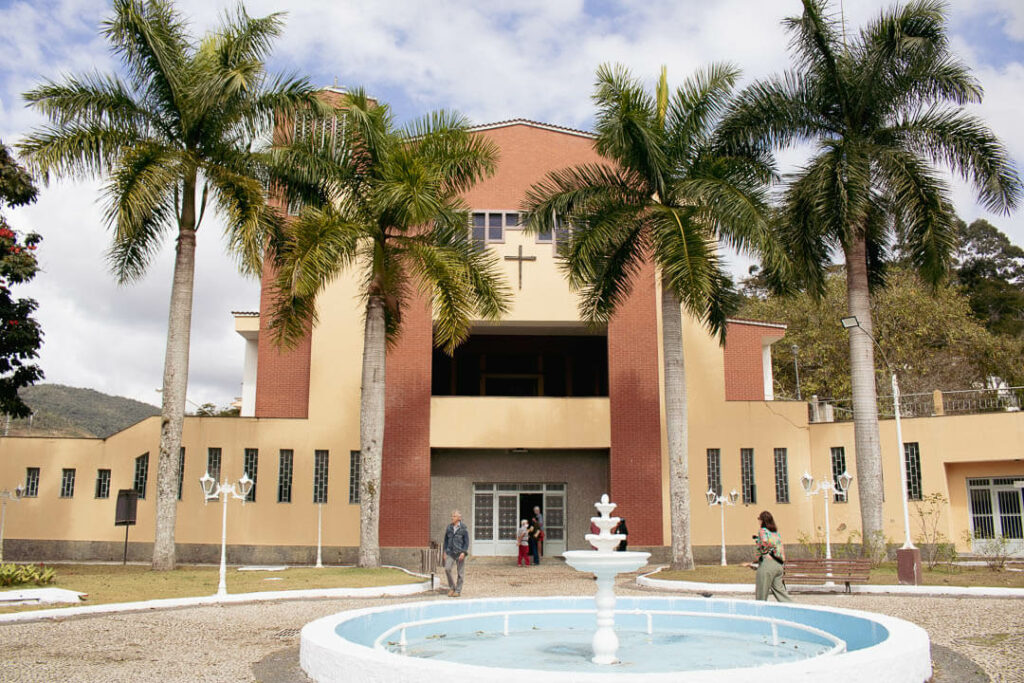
[(59, 410)]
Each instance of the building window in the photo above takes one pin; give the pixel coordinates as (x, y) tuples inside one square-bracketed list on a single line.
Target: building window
[(781, 476), (103, 483), (321, 465), (284, 476), (213, 463), (747, 474), (181, 469), (67, 483), (912, 460), (715, 470), (31, 482), (141, 475), (838, 467), (354, 464), (252, 458), (488, 227)]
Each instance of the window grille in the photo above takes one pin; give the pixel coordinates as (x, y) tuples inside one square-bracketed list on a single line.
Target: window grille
[(781, 476), (321, 464), (284, 475), (31, 482), (251, 465), (838, 467), (213, 463), (715, 470), (141, 475), (181, 470), (912, 460), (67, 483), (747, 474), (354, 463), (103, 483)]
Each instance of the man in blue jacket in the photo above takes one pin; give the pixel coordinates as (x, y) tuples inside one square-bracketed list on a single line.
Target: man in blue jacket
[(456, 545)]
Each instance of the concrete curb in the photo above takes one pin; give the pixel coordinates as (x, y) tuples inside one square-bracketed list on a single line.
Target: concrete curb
[(230, 599), (648, 581)]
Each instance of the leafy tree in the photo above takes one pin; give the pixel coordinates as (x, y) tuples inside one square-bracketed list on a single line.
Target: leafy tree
[(882, 110), (20, 335), (172, 139), (211, 410), (991, 269), (670, 196), (929, 335), (386, 202)]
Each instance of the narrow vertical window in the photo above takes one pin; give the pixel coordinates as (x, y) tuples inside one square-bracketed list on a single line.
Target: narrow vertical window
[(31, 482), (251, 465), (715, 470), (320, 469), (284, 476), (354, 464), (479, 230), (912, 460), (747, 473), (781, 476), (181, 469), (495, 227), (103, 483), (67, 483), (838, 467), (213, 463), (141, 475)]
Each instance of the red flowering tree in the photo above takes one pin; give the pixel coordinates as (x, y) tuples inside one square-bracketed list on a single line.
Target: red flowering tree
[(20, 336)]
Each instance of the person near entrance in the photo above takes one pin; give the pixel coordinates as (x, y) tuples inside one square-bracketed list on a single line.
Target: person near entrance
[(523, 543), (456, 545), (770, 560), (537, 537)]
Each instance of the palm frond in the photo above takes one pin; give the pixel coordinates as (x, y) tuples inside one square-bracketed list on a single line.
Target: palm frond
[(697, 106), (76, 150)]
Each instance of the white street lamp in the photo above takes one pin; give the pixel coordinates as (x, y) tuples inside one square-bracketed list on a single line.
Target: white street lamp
[(5, 496), (841, 485), (212, 491), (319, 535), (722, 501)]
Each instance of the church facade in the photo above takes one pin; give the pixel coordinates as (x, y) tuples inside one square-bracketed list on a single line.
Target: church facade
[(538, 409)]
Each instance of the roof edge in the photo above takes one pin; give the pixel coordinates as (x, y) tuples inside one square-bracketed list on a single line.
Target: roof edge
[(534, 124)]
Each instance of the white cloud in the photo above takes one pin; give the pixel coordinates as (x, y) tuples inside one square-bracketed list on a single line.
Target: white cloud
[(490, 60)]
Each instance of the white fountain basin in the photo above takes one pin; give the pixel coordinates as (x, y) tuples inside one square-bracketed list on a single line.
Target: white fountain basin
[(601, 562)]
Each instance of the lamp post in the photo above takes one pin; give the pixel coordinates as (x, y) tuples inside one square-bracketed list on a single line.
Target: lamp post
[(796, 368), (212, 491), (841, 485), (319, 526), (5, 496), (721, 502), (908, 558)]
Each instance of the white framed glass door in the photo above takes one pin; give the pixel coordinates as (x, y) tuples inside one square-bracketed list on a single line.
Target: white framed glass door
[(997, 510), (498, 508)]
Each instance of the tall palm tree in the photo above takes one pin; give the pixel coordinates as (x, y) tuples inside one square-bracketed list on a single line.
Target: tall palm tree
[(174, 137), (667, 196), (386, 202), (882, 110)]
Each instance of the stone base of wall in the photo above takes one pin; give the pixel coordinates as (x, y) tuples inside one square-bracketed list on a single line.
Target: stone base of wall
[(24, 550)]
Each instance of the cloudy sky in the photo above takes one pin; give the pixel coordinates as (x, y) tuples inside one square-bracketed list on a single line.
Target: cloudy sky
[(490, 60)]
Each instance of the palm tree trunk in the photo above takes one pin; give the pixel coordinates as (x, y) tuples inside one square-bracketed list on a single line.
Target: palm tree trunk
[(371, 432), (175, 386), (675, 425), (865, 400)]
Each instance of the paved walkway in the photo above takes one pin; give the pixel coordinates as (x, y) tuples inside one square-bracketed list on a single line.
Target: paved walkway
[(974, 639)]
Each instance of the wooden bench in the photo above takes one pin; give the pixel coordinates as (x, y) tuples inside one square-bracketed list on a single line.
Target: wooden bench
[(847, 571)]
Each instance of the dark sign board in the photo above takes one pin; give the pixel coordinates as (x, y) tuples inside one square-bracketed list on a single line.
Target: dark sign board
[(127, 502)]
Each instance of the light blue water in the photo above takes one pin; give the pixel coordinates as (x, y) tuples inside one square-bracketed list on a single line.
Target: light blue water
[(570, 650)]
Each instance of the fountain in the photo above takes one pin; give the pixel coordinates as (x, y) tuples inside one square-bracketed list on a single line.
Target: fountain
[(605, 563), (545, 640)]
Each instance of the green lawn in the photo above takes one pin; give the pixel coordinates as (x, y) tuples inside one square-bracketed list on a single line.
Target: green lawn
[(883, 575), (116, 583)]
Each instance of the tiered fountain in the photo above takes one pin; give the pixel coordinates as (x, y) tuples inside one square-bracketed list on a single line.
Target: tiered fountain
[(605, 563)]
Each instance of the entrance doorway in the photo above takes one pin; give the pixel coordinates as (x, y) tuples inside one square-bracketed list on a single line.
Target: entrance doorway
[(997, 510), (498, 509)]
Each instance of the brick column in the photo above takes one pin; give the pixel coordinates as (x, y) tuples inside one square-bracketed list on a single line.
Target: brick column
[(282, 376), (633, 384), (405, 486)]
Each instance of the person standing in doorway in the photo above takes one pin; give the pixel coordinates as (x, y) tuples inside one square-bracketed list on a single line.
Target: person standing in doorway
[(537, 537), (523, 543), (770, 560), (456, 545)]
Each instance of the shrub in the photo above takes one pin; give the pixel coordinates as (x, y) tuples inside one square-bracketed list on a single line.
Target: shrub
[(20, 574)]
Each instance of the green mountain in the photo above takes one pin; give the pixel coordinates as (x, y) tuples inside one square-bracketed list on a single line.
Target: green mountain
[(71, 411)]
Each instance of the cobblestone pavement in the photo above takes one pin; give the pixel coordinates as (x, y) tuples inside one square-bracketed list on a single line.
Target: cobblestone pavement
[(259, 641)]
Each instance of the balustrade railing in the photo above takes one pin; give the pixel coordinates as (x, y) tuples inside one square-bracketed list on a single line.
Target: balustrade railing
[(956, 402)]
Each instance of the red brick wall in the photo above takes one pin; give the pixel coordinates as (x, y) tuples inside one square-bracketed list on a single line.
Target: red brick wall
[(633, 384), (744, 369), (405, 487)]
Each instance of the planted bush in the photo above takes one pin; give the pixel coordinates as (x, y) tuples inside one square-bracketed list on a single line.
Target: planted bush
[(20, 574)]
